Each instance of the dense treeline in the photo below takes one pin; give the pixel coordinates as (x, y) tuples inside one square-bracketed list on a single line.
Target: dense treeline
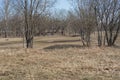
[(29, 18)]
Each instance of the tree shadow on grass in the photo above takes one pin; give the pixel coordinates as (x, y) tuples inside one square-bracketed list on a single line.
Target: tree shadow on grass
[(59, 41), (116, 46), (10, 43), (4, 48), (63, 46)]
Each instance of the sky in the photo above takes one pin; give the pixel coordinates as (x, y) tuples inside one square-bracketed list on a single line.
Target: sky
[(0, 3), (62, 4)]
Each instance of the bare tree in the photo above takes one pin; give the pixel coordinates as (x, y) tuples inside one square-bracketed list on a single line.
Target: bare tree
[(108, 20), (5, 11), (31, 10), (86, 19), (60, 20)]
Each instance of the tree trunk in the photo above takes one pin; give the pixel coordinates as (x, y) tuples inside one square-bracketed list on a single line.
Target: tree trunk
[(29, 43), (99, 38)]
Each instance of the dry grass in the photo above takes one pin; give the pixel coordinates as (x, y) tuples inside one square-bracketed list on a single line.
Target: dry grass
[(63, 64), (69, 61)]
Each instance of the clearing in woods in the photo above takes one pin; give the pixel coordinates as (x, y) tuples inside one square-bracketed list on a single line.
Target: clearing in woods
[(58, 58)]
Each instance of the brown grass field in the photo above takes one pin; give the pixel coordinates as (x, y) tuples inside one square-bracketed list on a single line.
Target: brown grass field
[(58, 58)]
